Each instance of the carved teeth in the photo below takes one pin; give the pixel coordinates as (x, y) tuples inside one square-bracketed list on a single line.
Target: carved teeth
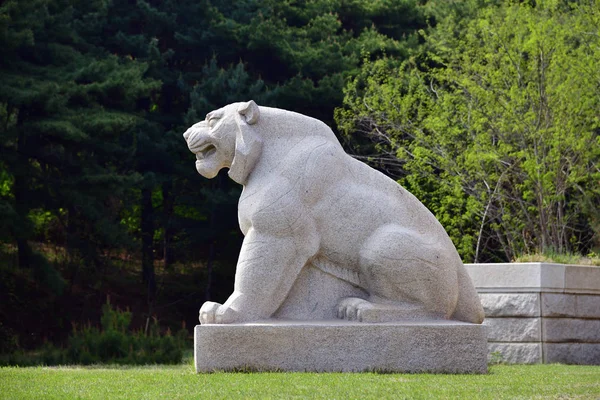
[(204, 151)]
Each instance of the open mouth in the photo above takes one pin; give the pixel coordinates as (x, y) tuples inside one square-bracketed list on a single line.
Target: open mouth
[(205, 151)]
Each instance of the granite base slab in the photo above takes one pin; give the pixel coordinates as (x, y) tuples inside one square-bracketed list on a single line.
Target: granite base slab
[(332, 346)]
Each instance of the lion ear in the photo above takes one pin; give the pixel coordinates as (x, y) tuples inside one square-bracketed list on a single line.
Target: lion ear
[(250, 111)]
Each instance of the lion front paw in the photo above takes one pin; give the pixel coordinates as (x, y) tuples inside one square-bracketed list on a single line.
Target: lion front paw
[(215, 313)]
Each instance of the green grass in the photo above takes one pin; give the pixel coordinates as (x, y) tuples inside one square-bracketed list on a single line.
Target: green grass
[(561, 258), (181, 382)]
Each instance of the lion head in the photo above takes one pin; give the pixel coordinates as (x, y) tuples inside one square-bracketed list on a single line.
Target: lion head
[(224, 140)]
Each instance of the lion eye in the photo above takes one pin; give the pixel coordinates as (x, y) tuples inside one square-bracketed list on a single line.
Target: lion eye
[(212, 122)]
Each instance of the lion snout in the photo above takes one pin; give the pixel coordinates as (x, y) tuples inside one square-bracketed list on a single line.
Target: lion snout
[(196, 139), (195, 129)]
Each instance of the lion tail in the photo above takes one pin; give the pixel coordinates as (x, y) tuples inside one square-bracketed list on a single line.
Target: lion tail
[(468, 307)]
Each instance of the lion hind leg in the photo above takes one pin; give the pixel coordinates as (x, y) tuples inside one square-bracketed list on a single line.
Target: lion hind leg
[(375, 310), (407, 276)]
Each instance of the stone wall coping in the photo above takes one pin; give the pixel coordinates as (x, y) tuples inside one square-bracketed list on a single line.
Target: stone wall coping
[(535, 277)]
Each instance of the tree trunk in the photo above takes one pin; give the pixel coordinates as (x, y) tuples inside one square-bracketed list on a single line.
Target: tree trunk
[(168, 205), (147, 227), (209, 271), (21, 232)]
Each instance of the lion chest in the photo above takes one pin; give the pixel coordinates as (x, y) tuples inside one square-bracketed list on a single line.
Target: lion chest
[(272, 206)]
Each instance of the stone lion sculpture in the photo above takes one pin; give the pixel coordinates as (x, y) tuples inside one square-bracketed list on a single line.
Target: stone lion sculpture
[(326, 236)]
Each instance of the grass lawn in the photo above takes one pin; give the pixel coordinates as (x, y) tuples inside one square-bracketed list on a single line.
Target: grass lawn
[(181, 382)]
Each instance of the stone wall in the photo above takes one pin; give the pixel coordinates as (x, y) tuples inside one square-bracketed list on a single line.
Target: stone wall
[(540, 312)]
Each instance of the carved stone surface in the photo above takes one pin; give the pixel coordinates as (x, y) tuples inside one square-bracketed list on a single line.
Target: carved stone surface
[(570, 305), (440, 346), (540, 312), (515, 353), (510, 304), (307, 206), (514, 329), (572, 353), (535, 277), (315, 296), (571, 330)]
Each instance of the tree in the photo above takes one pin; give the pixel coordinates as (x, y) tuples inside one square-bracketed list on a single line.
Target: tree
[(70, 119), (71, 115), (494, 126)]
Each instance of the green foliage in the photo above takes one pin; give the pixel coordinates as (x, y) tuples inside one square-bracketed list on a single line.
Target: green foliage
[(224, 86), (8, 339), (493, 124), (71, 113), (116, 344), (113, 344), (495, 358), (550, 256)]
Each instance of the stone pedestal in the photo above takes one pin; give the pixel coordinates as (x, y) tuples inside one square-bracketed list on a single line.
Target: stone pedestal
[(540, 312), (330, 346)]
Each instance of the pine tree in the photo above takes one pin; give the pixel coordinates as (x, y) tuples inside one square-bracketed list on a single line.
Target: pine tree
[(71, 113)]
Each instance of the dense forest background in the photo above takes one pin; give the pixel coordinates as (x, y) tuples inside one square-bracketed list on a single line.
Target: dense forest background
[(487, 110)]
